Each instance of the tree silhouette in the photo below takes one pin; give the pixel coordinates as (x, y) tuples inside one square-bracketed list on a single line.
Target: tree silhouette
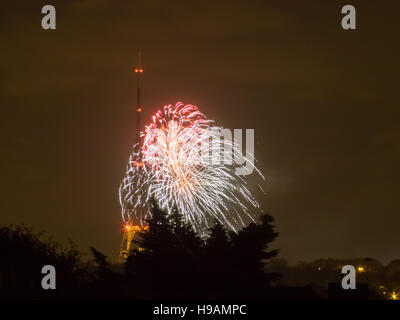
[(23, 255), (250, 254), (173, 261), (151, 266), (186, 236), (100, 260), (104, 282), (234, 261), (170, 260)]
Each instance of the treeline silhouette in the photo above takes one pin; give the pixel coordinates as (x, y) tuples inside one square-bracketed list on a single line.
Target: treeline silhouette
[(170, 261), (173, 261)]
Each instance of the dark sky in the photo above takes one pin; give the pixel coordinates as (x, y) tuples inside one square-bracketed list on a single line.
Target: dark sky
[(323, 102)]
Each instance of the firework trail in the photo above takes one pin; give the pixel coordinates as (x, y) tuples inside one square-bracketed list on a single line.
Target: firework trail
[(180, 164)]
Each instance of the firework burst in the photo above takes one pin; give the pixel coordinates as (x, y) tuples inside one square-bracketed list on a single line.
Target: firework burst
[(183, 162)]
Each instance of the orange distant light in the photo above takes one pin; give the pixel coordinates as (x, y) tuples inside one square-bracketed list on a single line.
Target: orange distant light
[(139, 109)]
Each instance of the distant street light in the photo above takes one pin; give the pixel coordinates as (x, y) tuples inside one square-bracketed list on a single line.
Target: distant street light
[(361, 269), (394, 296)]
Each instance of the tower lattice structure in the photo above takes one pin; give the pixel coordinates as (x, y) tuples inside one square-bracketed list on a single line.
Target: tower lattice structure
[(130, 229)]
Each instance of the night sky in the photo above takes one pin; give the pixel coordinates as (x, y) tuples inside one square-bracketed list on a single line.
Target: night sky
[(323, 102)]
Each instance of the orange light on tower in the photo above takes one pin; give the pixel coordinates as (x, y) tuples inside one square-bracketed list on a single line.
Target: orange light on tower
[(134, 228)]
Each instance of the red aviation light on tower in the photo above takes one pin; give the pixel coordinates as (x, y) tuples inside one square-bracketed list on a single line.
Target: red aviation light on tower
[(138, 164), (139, 107)]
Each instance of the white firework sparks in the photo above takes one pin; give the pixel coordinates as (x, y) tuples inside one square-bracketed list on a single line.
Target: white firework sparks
[(183, 162)]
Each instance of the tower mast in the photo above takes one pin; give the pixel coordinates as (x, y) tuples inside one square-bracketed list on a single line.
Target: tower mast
[(129, 229), (139, 72)]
